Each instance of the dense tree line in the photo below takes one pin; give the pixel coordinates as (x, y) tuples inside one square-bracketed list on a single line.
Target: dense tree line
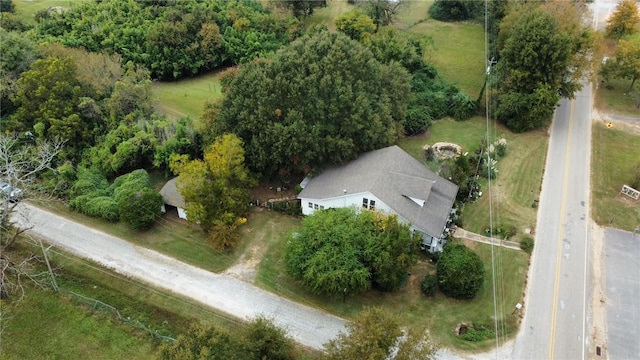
[(173, 40)]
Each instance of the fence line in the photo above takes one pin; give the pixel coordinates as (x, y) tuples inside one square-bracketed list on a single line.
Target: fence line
[(99, 305)]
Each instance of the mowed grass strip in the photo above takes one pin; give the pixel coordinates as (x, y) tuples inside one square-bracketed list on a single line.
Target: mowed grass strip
[(411, 308), (616, 151), (519, 172), (187, 97), (170, 236)]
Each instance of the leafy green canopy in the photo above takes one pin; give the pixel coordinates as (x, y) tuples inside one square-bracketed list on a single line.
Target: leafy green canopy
[(545, 52), (260, 339), (624, 20), (456, 10), (173, 40), (374, 334), (130, 198), (216, 188), (321, 100), (344, 251), (626, 64), (460, 272)]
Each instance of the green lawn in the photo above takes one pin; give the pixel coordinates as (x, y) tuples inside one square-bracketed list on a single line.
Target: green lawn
[(170, 236), (328, 15), (612, 96), (25, 9), (46, 325), (519, 173), (440, 314), (615, 153), (458, 47), (187, 97)]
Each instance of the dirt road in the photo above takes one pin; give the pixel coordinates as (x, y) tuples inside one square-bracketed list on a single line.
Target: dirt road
[(306, 325)]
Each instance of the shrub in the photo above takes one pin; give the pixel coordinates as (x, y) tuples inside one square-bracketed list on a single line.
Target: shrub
[(287, 207), (429, 285), (460, 272), (141, 209), (526, 244), (89, 181), (462, 107), (97, 206), (477, 333)]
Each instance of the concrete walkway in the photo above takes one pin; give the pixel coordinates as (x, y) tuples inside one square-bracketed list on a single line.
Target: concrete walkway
[(461, 233)]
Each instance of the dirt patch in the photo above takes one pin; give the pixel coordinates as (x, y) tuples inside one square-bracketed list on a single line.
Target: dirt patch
[(246, 267), (598, 299), (275, 190)]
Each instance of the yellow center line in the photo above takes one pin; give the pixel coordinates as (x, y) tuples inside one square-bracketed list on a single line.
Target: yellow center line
[(554, 311)]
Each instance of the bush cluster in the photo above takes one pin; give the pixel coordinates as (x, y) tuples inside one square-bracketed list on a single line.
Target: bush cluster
[(460, 272), (130, 198)]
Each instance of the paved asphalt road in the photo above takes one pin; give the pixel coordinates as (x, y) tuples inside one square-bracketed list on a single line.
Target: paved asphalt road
[(622, 260), (555, 323), (308, 326)]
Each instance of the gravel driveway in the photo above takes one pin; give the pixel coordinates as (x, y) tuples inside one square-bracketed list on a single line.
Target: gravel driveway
[(306, 325)]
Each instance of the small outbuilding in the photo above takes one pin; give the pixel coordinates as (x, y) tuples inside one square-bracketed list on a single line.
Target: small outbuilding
[(173, 199)]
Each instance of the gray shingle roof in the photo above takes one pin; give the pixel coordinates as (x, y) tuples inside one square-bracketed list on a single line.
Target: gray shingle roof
[(170, 194), (393, 176)]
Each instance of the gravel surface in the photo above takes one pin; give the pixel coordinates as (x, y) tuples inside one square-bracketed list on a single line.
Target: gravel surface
[(306, 325)]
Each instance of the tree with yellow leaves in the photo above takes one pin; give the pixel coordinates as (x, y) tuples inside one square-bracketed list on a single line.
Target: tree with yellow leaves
[(216, 189)]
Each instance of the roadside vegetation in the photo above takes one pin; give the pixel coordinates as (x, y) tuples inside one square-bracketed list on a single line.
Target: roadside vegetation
[(265, 95), (615, 162), (619, 70)]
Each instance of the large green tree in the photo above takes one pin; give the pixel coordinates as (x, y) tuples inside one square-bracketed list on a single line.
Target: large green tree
[(624, 20), (343, 251), (356, 25), (302, 8), (321, 100), (18, 53), (626, 64), (545, 52), (460, 272), (47, 97), (216, 188), (375, 335)]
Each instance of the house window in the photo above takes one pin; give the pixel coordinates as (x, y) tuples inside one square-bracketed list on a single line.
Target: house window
[(365, 203), (310, 205), (315, 206), (372, 205), (321, 207)]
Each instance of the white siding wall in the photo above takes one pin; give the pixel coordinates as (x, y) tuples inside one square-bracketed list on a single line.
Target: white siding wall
[(182, 214), (343, 201)]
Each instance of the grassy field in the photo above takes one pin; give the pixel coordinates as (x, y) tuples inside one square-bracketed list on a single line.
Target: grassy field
[(458, 48), (46, 325), (615, 153), (25, 9), (170, 236), (187, 97), (519, 173)]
